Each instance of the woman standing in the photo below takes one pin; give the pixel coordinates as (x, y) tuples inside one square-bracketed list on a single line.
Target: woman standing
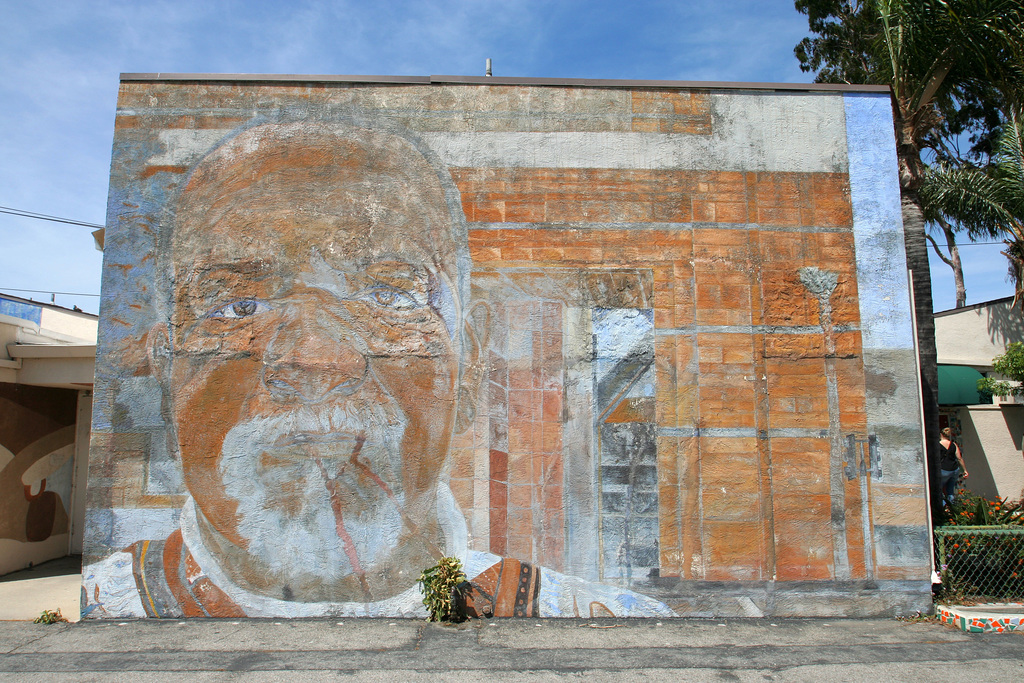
[(950, 463)]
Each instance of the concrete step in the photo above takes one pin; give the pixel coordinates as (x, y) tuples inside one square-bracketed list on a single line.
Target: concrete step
[(999, 617)]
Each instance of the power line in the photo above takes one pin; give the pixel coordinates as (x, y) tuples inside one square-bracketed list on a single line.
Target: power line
[(44, 291), (45, 217), (71, 221), (971, 244)]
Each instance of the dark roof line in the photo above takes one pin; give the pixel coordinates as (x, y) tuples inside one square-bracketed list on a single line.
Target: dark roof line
[(502, 80), (980, 304), (45, 304)]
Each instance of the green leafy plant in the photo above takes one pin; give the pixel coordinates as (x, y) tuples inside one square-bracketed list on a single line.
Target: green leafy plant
[(1011, 365), (918, 618), (444, 588), (981, 554), (972, 510), (50, 616)]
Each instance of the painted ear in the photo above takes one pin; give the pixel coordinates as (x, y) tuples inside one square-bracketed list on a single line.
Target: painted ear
[(158, 351), (474, 346)]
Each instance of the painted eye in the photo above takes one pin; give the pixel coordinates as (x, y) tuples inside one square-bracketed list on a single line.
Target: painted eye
[(238, 309), (389, 297)]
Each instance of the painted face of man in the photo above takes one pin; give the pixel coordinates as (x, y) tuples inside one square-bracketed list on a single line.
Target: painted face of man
[(315, 358)]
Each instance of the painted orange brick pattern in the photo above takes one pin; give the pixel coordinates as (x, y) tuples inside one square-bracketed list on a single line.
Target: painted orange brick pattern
[(661, 111), (730, 507), (482, 108), (575, 195), (533, 506)]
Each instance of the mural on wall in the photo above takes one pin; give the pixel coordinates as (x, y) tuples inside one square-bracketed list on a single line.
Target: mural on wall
[(340, 340), (37, 444)]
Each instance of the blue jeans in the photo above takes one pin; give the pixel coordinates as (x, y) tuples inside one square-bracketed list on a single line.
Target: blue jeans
[(947, 482)]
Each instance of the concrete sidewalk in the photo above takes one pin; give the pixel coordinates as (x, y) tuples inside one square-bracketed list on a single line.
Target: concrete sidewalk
[(520, 650), (528, 650), (56, 584)]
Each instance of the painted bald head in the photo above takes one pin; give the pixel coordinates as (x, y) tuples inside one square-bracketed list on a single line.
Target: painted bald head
[(317, 337)]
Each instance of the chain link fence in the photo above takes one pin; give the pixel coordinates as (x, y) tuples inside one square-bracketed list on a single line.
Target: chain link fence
[(980, 563)]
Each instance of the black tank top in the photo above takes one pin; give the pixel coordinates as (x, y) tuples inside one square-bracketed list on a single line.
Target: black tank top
[(947, 457)]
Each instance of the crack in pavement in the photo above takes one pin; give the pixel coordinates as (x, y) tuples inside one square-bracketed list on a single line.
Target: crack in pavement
[(61, 628)]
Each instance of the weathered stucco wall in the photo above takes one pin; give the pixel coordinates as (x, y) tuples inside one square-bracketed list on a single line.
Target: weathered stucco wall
[(623, 351), (990, 437), (976, 334)]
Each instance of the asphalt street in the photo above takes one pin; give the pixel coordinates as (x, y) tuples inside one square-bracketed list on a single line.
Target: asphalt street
[(819, 650)]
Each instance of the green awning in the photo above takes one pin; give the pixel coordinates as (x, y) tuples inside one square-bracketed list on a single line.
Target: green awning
[(958, 386)]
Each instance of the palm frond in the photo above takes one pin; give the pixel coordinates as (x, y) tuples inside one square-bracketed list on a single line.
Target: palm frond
[(926, 40), (969, 197), (1009, 155)]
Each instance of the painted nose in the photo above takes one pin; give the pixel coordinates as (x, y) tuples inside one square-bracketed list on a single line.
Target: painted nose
[(313, 354)]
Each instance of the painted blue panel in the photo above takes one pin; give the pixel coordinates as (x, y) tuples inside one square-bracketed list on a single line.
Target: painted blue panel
[(886, 321), (19, 309), (623, 367)]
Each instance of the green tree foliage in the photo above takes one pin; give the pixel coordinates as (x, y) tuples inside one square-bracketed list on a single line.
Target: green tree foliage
[(956, 56), (1011, 366), (987, 201), (929, 52), (841, 51)]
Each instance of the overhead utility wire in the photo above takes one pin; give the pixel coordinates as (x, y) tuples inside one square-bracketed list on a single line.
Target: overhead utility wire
[(58, 219), (971, 244), (44, 291), (45, 217), (70, 221)]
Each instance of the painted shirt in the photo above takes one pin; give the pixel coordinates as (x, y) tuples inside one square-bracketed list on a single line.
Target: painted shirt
[(163, 579), (178, 577)]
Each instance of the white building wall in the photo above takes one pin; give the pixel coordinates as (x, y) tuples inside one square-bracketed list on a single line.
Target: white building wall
[(991, 441), (976, 334), (990, 435), (58, 352), (79, 326)]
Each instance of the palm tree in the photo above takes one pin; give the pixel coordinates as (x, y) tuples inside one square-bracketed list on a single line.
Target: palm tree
[(926, 51), (987, 201)]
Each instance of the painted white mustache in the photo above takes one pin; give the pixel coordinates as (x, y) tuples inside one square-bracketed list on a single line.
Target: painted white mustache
[(290, 471), (331, 432)]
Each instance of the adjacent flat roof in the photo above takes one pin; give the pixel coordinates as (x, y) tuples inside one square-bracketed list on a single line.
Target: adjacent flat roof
[(46, 304), (970, 307), (500, 80)]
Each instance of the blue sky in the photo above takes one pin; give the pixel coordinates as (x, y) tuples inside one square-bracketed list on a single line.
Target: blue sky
[(60, 61)]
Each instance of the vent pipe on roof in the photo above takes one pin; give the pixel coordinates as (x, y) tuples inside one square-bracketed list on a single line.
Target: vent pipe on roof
[(488, 67)]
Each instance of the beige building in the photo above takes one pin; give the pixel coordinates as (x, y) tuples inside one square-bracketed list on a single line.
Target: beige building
[(47, 355), (990, 430)]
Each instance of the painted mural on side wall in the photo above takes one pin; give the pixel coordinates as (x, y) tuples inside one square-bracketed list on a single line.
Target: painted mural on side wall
[(37, 448), (592, 342)]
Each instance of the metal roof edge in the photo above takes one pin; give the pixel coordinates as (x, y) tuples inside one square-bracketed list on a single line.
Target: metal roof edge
[(272, 78), (503, 80), (630, 83)]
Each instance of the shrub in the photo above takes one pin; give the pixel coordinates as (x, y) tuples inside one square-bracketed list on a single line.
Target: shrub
[(973, 510), (444, 589)]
